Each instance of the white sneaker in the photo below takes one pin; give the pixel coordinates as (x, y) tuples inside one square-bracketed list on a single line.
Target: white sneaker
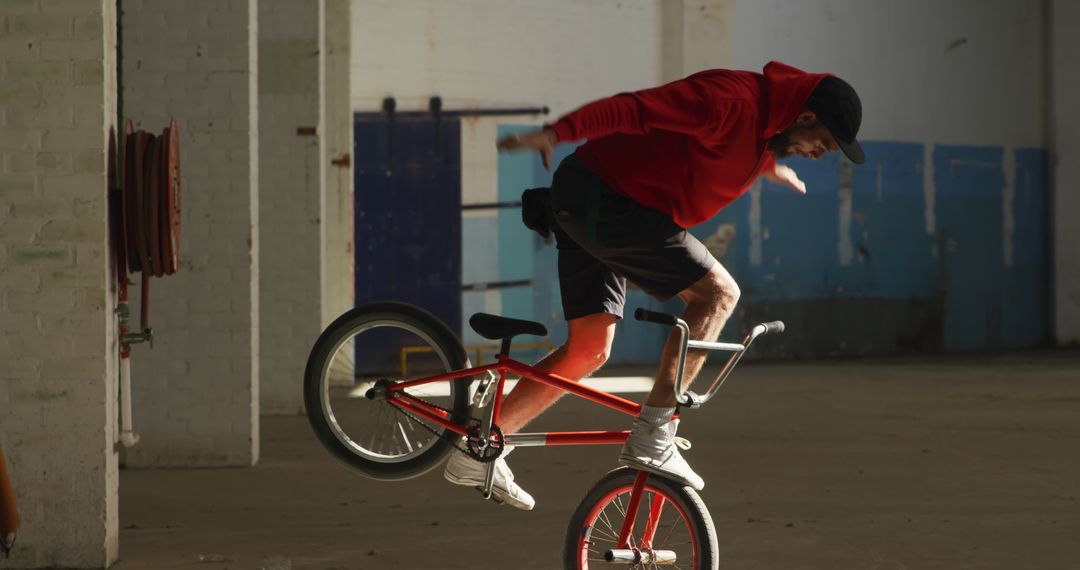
[(652, 448), (464, 470)]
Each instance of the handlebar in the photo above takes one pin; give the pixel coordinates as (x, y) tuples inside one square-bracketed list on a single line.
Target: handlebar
[(774, 327), (686, 397), (654, 317)]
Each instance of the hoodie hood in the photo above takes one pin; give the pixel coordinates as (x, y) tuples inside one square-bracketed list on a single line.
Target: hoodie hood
[(786, 91)]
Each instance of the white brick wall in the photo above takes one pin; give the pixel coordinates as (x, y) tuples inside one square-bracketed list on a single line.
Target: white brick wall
[(560, 53), (58, 335), (695, 35), (196, 392), (290, 195)]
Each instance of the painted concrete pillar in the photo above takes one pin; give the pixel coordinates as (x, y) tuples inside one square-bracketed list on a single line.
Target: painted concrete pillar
[(1064, 17), (58, 335), (291, 191), (694, 35), (195, 392), (337, 208)]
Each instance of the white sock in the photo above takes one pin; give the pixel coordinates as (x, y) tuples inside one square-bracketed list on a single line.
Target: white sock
[(656, 415)]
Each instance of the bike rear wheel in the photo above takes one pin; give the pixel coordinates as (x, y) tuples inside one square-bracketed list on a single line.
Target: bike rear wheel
[(682, 525), (375, 344)]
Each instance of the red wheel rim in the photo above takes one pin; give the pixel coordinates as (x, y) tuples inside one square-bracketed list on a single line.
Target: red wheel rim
[(599, 506)]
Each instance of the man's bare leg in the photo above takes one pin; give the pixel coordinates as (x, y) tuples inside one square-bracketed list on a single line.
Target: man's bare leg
[(709, 303), (651, 445), (587, 347)]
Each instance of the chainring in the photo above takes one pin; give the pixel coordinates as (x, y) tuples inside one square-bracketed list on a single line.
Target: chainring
[(488, 453)]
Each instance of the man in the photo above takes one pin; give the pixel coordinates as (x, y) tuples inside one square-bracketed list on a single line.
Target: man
[(656, 162)]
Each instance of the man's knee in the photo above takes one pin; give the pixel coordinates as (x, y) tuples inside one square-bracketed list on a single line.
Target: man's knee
[(588, 344), (717, 289), (590, 352), (728, 293)]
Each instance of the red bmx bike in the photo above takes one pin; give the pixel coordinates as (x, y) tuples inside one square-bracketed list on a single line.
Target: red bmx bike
[(389, 425)]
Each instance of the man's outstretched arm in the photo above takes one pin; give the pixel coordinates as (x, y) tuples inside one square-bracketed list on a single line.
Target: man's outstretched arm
[(691, 106)]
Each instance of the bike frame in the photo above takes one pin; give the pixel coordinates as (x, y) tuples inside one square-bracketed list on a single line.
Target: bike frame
[(396, 395), (505, 365)]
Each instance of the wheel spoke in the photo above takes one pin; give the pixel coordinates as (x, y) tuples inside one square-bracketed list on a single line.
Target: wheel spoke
[(606, 535), (371, 441), (383, 433), (619, 505), (674, 522), (649, 522), (607, 521), (404, 437)]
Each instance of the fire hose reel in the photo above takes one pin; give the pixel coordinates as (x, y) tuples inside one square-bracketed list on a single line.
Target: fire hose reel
[(146, 214), (144, 223)]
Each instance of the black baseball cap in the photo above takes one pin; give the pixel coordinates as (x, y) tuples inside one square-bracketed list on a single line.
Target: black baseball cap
[(838, 107)]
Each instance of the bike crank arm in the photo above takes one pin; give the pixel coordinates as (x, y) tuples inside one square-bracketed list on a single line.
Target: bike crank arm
[(635, 556), (489, 480)]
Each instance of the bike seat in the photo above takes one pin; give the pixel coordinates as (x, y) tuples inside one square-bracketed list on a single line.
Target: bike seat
[(495, 327)]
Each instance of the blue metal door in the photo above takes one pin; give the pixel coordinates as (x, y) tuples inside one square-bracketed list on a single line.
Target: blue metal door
[(408, 213)]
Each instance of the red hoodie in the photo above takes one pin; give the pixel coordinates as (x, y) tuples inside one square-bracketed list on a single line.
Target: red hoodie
[(693, 146)]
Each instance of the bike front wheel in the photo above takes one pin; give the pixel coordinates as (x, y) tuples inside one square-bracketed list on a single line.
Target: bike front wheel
[(372, 345), (671, 520)]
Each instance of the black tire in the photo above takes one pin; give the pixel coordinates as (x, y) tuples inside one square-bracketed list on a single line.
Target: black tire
[(317, 385), (691, 513)]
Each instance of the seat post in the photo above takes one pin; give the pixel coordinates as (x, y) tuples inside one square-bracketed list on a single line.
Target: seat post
[(504, 350)]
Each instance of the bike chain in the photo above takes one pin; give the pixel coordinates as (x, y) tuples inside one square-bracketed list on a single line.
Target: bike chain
[(474, 423)]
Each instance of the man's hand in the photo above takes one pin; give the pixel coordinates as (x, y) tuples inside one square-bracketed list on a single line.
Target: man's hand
[(785, 175), (542, 141)]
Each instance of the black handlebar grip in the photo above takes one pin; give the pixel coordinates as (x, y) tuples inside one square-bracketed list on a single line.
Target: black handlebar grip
[(654, 317), (774, 327)]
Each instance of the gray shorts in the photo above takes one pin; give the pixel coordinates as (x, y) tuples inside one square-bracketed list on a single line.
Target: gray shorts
[(605, 238)]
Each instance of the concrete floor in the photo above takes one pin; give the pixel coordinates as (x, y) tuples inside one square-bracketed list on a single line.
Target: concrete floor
[(906, 463)]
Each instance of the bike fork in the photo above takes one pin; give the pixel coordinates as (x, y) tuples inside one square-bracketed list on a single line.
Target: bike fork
[(643, 553), (632, 508)]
